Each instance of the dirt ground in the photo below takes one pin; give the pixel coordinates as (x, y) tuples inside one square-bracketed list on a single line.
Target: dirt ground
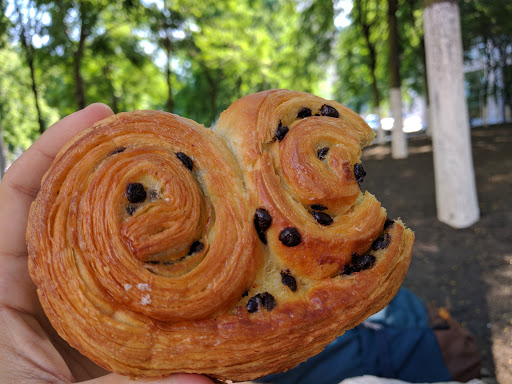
[(470, 270)]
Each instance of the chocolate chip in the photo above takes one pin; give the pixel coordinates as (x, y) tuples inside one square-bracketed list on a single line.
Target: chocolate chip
[(388, 223), (268, 301), (117, 150), (135, 193), (318, 207), (359, 172), (304, 112), (382, 242), (252, 304), (130, 209), (262, 221), (245, 293), (322, 153), (354, 264), (281, 132), (330, 111), (360, 263), (196, 246), (288, 280), (290, 237), (322, 218), (187, 161), (265, 299)]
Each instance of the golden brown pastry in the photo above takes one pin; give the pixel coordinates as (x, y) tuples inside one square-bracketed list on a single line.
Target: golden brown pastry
[(159, 246)]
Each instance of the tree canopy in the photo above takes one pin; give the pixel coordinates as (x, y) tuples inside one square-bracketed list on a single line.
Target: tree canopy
[(196, 57)]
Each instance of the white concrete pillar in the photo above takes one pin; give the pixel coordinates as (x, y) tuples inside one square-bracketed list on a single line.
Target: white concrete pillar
[(456, 198), (484, 115), (398, 139)]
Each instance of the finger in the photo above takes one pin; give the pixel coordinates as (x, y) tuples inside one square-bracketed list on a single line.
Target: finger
[(179, 378), (22, 180)]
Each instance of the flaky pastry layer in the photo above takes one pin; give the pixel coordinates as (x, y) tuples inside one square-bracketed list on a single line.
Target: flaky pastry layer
[(159, 246)]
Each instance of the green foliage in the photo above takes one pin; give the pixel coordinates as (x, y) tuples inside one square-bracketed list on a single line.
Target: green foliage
[(18, 115), (353, 85), (234, 50), (196, 57), (353, 57), (412, 66)]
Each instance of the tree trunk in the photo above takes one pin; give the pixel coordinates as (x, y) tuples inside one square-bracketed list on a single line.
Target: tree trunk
[(26, 43), (375, 89), (376, 96), (238, 87), (456, 197), (366, 29), (213, 95), (36, 94), (114, 100), (398, 143), (170, 98), (502, 84), (77, 68), (213, 102)]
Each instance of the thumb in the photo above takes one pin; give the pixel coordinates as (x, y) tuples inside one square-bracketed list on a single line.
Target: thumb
[(178, 378)]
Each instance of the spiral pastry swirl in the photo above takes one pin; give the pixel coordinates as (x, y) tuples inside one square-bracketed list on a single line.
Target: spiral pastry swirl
[(307, 176), (159, 246)]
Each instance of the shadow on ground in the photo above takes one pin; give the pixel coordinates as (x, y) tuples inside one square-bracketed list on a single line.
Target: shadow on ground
[(470, 270)]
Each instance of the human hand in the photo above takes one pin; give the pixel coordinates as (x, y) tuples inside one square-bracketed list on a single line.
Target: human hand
[(31, 352)]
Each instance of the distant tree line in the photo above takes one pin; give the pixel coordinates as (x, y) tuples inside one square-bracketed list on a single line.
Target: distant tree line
[(195, 57)]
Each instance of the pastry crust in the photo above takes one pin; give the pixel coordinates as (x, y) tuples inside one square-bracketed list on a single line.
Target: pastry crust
[(191, 279)]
